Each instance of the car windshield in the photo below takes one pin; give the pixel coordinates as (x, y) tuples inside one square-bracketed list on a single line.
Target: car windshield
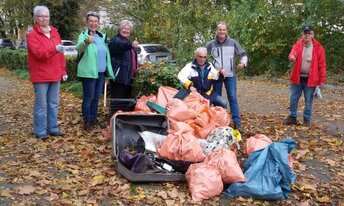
[(155, 49)]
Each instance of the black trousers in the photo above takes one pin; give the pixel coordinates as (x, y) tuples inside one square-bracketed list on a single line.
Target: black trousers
[(120, 90)]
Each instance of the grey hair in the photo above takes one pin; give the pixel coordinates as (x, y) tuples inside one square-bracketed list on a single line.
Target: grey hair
[(199, 49), (40, 9), (124, 23), (222, 23), (92, 13)]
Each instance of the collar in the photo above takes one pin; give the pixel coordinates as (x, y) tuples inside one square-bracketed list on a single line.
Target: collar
[(218, 41), (87, 31), (195, 65)]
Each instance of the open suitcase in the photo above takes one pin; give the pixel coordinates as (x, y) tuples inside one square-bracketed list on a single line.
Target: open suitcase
[(123, 104), (125, 134)]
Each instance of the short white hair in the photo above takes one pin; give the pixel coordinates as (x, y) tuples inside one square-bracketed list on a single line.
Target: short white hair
[(40, 9), (201, 49), (124, 23), (221, 23)]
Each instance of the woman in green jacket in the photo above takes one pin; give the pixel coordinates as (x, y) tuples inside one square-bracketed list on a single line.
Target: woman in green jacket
[(94, 62)]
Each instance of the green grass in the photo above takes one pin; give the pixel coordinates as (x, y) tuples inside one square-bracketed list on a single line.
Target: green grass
[(21, 73), (74, 87)]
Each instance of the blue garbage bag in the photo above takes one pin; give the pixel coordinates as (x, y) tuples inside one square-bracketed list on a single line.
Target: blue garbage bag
[(267, 173)]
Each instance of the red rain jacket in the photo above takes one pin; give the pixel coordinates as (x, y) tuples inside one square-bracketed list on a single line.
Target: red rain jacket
[(45, 63), (317, 70)]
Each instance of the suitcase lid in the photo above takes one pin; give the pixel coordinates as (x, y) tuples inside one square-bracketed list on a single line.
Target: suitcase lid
[(126, 128)]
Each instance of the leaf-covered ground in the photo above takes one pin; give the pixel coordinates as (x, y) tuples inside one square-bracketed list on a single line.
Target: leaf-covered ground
[(77, 169)]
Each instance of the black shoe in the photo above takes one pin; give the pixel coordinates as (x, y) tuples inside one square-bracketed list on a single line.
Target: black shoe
[(290, 121), (306, 122), (56, 134), (88, 125), (41, 137)]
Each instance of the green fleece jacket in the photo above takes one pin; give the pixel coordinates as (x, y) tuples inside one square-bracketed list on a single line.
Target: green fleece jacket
[(88, 54)]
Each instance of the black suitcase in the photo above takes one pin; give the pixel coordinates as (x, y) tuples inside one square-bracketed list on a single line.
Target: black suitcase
[(125, 135), (123, 104)]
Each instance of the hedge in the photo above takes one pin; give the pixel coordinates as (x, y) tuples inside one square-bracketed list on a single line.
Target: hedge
[(147, 80)]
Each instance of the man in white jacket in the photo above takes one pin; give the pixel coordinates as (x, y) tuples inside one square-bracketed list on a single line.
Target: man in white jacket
[(199, 75)]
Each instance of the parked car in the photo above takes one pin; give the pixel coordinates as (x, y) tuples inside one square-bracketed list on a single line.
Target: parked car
[(6, 43), (153, 53), (69, 48)]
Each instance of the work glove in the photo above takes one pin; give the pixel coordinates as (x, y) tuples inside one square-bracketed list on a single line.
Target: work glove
[(65, 77), (59, 48)]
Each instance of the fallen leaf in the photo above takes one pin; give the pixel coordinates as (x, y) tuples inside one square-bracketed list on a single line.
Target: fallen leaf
[(26, 189), (5, 193), (306, 203), (331, 162), (162, 194), (173, 194), (83, 192), (323, 199)]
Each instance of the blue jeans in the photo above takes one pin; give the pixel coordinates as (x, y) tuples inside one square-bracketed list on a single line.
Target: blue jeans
[(295, 94), (46, 107), (92, 89), (230, 85), (219, 101)]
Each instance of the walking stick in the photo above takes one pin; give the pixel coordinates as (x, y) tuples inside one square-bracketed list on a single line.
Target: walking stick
[(105, 91)]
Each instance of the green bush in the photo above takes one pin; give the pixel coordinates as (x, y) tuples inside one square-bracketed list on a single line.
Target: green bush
[(152, 76), (147, 81), (17, 59)]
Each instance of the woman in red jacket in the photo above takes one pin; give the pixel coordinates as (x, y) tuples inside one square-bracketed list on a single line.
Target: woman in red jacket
[(309, 71), (47, 67)]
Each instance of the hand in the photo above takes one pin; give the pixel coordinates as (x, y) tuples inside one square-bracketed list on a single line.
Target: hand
[(222, 71), (89, 40), (292, 58), (65, 77), (193, 89), (135, 43), (59, 48), (321, 86), (241, 66)]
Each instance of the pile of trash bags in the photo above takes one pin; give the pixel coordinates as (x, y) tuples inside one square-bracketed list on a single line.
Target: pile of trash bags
[(200, 134)]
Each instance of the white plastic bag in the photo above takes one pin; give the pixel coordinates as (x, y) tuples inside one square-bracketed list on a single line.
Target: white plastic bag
[(317, 93), (152, 140)]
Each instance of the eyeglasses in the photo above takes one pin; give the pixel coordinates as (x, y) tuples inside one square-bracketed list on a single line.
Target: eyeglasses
[(43, 16), (92, 13), (202, 57)]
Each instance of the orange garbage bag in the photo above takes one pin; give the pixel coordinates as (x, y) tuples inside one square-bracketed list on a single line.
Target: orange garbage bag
[(256, 142), (176, 109), (183, 147), (196, 102), (165, 94), (204, 181), (141, 103), (203, 124), (221, 118), (181, 127), (226, 162)]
